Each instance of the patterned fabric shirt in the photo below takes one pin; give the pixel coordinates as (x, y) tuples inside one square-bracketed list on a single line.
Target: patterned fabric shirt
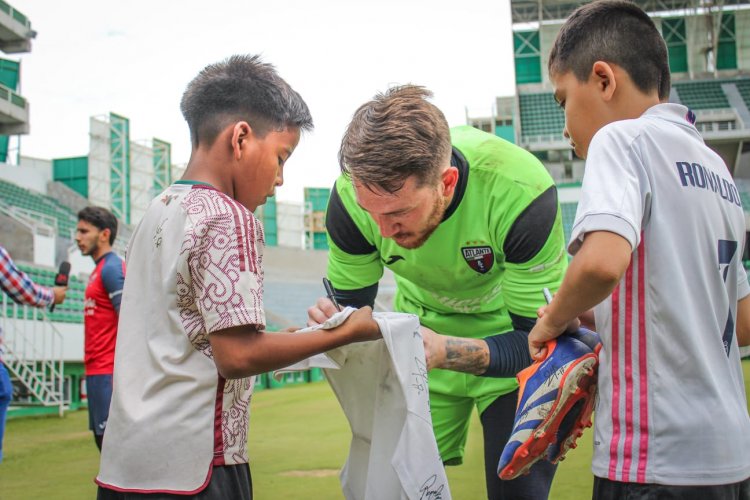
[(194, 268), (19, 286)]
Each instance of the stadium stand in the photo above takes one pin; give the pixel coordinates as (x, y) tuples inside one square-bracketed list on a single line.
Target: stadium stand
[(743, 186), (568, 217), (705, 94), (540, 115), (743, 86), (70, 311), (12, 195)]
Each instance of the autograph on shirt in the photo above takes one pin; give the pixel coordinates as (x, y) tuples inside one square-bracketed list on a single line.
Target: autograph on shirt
[(420, 376), (430, 491)]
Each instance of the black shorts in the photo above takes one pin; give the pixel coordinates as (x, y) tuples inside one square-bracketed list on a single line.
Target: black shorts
[(605, 489), (227, 482), (99, 396)]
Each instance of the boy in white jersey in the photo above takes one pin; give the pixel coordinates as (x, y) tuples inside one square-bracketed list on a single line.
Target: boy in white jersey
[(192, 325), (657, 240)]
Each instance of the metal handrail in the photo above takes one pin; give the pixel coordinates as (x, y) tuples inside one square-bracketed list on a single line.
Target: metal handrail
[(33, 352), (37, 222), (7, 94)]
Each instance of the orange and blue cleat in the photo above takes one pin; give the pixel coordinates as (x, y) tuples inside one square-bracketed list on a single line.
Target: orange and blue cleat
[(579, 416), (555, 401)]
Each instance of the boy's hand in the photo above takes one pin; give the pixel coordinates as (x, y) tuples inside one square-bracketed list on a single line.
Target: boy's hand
[(543, 332), (321, 311), (573, 326), (360, 326)]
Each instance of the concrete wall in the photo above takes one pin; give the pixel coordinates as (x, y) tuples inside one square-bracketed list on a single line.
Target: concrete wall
[(45, 250), (569, 194), (696, 30), (547, 35), (30, 176), (17, 239), (141, 180), (742, 30), (697, 43), (291, 225), (72, 334), (99, 163), (66, 196)]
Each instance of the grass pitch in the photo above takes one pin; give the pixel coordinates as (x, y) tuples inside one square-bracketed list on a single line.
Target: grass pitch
[(299, 439)]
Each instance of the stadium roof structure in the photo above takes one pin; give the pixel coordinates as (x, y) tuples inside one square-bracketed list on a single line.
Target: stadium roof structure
[(529, 11)]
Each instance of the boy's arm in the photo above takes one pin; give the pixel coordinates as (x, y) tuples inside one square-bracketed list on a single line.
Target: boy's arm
[(743, 321), (240, 351), (592, 275)]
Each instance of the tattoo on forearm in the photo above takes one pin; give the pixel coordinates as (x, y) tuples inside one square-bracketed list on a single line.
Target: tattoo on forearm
[(466, 355)]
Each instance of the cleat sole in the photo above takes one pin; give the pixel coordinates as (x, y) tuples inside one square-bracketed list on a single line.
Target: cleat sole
[(577, 384)]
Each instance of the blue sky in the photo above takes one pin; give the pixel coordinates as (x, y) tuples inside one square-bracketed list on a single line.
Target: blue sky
[(135, 57)]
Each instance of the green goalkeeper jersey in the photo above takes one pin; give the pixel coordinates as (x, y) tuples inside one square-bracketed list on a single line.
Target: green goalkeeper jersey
[(500, 242)]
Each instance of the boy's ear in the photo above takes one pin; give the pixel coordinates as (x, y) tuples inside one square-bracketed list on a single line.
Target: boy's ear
[(241, 133), (604, 77)]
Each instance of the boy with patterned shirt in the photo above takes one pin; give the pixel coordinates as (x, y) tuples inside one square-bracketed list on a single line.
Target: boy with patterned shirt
[(657, 242), (193, 325)]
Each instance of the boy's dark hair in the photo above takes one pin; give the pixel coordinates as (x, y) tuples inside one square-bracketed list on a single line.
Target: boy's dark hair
[(100, 218), (614, 31), (394, 136), (241, 87)]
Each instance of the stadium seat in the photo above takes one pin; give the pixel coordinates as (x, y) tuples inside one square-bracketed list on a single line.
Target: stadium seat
[(12, 195), (568, 217), (706, 94), (540, 116)]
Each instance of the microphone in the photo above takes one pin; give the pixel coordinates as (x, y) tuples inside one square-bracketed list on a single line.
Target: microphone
[(62, 278)]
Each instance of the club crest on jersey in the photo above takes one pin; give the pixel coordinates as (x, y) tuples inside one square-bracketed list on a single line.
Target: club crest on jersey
[(479, 259)]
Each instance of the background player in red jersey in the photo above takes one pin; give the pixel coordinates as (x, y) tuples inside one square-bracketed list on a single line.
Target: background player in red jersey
[(95, 234)]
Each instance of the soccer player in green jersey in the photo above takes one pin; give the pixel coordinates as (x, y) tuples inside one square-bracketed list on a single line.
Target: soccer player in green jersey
[(470, 226)]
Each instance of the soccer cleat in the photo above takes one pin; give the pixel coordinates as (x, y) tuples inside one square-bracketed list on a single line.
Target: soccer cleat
[(572, 426), (588, 337), (549, 390), (579, 416)]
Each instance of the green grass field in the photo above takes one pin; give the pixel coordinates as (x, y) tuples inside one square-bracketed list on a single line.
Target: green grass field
[(298, 440)]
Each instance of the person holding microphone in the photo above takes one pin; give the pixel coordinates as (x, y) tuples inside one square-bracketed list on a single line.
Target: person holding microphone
[(22, 290)]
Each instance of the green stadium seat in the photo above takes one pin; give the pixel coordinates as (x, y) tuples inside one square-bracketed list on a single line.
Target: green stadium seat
[(743, 86), (70, 311), (568, 217), (540, 116), (706, 94)]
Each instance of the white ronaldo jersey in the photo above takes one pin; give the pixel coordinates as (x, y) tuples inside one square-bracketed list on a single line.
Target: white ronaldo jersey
[(194, 267), (672, 406)]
